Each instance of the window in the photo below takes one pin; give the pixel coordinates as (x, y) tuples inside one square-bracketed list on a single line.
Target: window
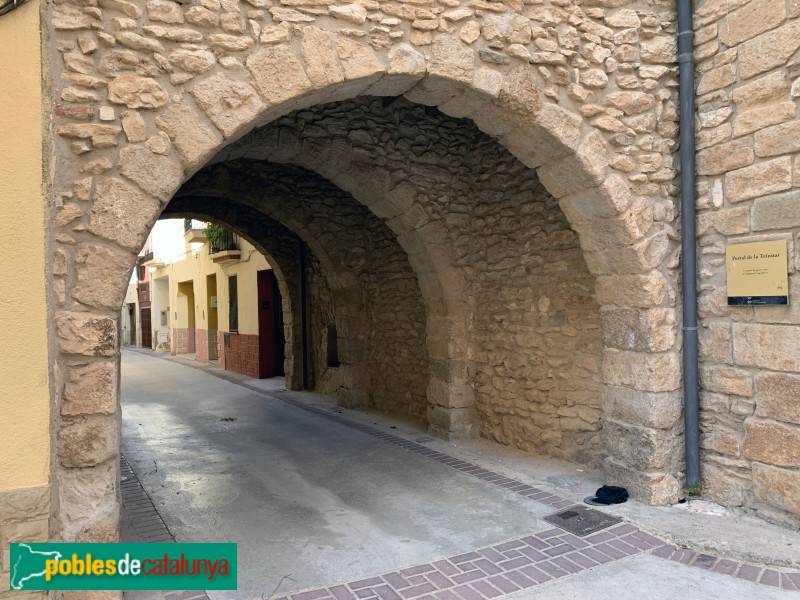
[(233, 304), (164, 318)]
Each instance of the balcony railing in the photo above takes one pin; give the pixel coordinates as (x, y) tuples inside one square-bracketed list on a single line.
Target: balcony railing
[(146, 257), (227, 241), (194, 231), (189, 224)]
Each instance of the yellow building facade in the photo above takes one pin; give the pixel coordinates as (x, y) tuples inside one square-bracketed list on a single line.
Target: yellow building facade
[(25, 378), (220, 304)]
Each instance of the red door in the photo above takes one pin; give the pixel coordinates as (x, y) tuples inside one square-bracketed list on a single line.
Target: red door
[(267, 335), (147, 329)]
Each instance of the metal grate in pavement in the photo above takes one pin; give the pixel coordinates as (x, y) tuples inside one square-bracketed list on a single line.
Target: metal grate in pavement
[(581, 520)]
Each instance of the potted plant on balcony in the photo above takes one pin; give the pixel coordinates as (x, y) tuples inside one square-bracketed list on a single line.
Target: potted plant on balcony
[(218, 237)]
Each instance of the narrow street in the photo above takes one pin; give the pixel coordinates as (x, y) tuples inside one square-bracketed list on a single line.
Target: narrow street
[(316, 496)]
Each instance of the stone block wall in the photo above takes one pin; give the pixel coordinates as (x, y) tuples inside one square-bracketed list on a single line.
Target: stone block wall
[(748, 141), (535, 339), (24, 517), (321, 314)]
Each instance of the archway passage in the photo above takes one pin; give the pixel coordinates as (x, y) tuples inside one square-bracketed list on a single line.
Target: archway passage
[(428, 191), (513, 299), (341, 271)]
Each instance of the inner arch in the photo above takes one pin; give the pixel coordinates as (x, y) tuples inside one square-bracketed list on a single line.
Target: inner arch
[(512, 326)]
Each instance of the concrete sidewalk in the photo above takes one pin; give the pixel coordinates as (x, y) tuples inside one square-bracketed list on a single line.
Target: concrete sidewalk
[(317, 495)]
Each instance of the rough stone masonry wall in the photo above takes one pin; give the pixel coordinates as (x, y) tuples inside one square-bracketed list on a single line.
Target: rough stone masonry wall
[(749, 165), (359, 278), (322, 314), (145, 92), (535, 336)]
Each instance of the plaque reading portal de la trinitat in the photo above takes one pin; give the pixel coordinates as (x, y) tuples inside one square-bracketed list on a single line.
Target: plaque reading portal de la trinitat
[(757, 273)]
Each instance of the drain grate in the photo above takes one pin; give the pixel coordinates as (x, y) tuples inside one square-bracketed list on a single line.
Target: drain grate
[(582, 520)]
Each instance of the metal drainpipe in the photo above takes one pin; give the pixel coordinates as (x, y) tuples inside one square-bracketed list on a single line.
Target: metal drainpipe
[(688, 244)]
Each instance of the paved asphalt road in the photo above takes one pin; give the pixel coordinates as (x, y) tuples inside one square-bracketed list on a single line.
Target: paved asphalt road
[(312, 502), (304, 497)]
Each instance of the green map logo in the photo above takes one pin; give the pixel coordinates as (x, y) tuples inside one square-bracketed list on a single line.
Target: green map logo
[(28, 564), (84, 566)]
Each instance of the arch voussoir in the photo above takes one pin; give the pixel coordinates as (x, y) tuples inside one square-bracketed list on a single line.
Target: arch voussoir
[(548, 101)]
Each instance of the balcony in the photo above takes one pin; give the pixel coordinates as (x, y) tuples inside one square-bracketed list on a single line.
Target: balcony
[(194, 231), (224, 247), (149, 261)]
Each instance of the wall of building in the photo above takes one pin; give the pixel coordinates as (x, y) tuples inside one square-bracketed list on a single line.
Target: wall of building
[(748, 141), (190, 309), (24, 378), (584, 94), (130, 333)]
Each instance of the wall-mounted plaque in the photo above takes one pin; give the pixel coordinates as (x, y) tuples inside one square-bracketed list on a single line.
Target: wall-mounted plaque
[(757, 273)]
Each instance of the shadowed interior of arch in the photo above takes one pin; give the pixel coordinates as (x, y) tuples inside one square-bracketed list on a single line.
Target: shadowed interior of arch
[(460, 296)]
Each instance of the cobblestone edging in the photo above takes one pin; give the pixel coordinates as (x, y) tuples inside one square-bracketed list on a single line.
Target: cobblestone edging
[(511, 566)]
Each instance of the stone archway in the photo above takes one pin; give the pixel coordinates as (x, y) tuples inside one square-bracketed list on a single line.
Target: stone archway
[(374, 297), (183, 82)]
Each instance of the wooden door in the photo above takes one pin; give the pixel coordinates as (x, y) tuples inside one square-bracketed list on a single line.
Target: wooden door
[(147, 329)]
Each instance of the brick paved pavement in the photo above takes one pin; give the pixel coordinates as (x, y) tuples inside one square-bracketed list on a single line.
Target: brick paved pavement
[(147, 524)]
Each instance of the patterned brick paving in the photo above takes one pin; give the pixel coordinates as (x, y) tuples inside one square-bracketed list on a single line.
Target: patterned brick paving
[(789, 581), (512, 566), (494, 571), (147, 522), (144, 517)]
